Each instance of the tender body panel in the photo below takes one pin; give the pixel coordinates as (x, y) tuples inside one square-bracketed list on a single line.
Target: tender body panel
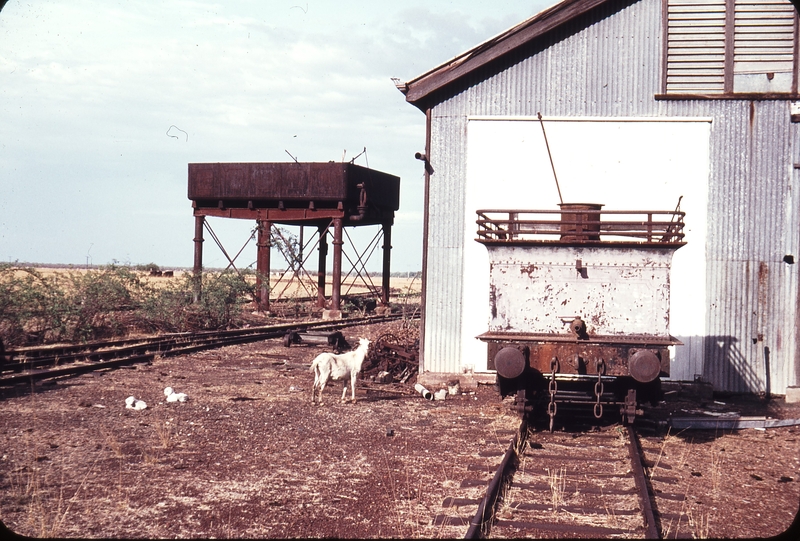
[(615, 291)]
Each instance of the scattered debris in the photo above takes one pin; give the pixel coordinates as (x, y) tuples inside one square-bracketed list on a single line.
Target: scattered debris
[(334, 339), (732, 422), (423, 391), (391, 359), (453, 387)]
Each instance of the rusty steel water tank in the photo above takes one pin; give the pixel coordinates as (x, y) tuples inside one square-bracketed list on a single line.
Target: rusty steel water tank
[(293, 185)]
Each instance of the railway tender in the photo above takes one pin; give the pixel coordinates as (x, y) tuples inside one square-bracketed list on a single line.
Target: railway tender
[(579, 302)]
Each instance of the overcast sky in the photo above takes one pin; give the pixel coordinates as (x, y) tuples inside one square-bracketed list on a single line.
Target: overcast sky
[(103, 104)]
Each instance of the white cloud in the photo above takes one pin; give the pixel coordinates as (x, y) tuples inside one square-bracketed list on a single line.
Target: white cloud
[(89, 90)]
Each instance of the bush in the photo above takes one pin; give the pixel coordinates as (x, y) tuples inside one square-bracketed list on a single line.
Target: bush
[(112, 301), (149, 268), (98, 300), (171, 307), (32, 308)]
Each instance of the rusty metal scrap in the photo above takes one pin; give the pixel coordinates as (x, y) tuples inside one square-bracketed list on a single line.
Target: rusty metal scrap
[(329, 338), (391, 354)]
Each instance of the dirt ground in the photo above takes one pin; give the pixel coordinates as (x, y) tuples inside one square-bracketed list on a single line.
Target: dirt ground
[(249, 456)]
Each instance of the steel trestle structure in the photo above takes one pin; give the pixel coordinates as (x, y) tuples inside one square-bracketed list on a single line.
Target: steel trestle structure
[(327, 196)]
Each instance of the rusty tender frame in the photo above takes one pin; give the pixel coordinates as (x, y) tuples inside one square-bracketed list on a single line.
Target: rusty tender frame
[(513, 351)]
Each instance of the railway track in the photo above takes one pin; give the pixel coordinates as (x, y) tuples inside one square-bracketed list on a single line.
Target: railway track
[(569, 484), (24, 365)]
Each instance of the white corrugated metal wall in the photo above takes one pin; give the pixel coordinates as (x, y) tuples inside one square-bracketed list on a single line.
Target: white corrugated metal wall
[(610, 66)]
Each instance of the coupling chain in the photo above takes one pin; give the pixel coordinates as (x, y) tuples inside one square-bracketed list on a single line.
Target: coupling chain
[(552, 407), (600, 365)]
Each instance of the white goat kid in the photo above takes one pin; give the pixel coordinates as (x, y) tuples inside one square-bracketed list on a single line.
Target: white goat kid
[(328, 366)]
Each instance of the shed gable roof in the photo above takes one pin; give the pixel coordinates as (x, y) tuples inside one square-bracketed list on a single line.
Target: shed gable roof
[(422, 87), (422, 91)]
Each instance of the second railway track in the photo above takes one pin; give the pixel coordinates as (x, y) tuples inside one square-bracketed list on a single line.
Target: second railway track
[(29, 364)]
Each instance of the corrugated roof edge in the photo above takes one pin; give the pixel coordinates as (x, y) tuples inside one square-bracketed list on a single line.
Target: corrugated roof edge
[(422, 86)]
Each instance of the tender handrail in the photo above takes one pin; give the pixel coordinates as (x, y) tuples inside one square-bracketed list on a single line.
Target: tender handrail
[(581, 226)]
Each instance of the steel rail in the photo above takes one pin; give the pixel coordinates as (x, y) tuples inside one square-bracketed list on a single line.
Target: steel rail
[(635, 453), (478, 526), (484, 519), (62, 352), (169, 346)]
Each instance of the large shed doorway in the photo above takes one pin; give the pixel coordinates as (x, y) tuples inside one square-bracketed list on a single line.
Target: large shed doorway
[(625, 164)]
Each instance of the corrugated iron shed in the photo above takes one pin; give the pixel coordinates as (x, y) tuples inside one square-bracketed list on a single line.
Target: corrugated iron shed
[(605, 60)]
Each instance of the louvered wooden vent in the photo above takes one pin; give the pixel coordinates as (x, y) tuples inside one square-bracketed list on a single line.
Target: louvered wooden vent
[(763, 38), (696, 47), (760, 55)]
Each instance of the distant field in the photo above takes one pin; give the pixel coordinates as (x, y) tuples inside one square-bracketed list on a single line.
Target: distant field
[(70, 304), (281, 284)]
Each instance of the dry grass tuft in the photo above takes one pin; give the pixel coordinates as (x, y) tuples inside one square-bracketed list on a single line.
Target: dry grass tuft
[(113, 444), (163, 434), (700, 525), (716, 471), (557, 479)]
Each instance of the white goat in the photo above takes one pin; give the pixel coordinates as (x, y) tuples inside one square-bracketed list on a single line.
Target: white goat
[(132, 404), (329, 366), (172, 396)]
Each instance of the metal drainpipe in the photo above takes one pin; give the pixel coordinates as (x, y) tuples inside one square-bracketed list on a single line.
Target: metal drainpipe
[(362, 206), (425, 227)]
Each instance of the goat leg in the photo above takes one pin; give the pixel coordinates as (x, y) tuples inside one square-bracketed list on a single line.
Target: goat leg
[(319, 392)]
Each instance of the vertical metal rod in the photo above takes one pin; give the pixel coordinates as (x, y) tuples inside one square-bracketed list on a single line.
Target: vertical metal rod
[(263, 264), (300, 243), (336, 288), (197, 272), (387, 257), (321, 269), (552, 165), (668, 235)]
